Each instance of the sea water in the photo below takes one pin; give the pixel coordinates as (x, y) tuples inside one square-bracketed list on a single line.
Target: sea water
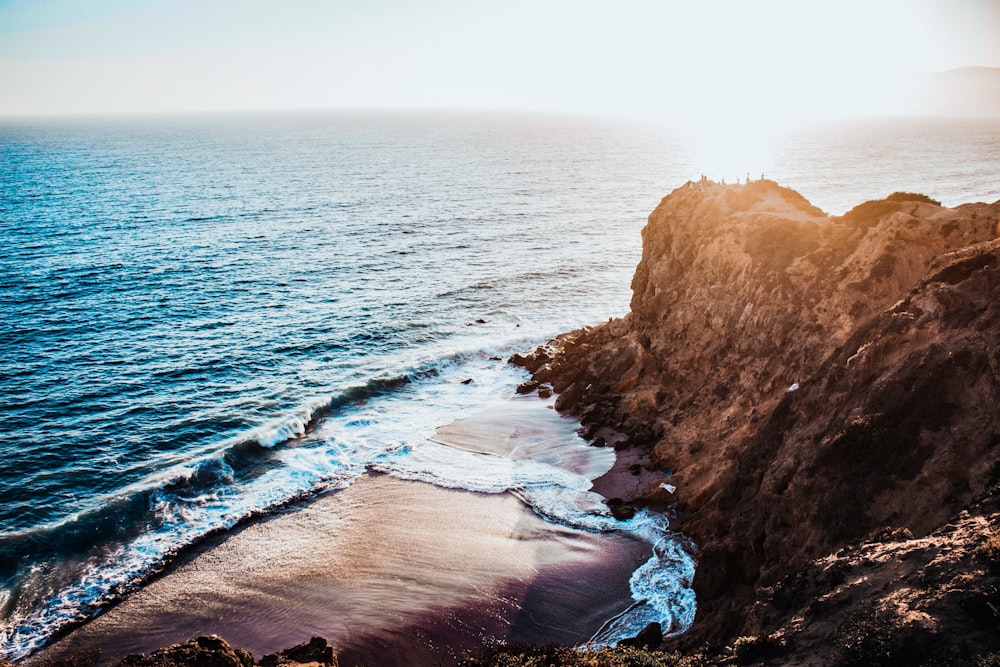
[(207, 318)]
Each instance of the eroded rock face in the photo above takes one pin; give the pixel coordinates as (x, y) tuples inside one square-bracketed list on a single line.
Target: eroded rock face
[(807, 378), (895, 599)]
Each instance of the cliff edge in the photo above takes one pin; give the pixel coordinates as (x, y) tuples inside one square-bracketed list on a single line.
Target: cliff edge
[(806, 381)]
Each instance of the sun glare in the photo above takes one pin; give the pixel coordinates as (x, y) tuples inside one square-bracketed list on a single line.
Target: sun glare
[(767, 62), (731, 152)]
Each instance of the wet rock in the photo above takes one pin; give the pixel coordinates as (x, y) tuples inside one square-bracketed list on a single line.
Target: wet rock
[(207, 651), (650, 637), (620, 509), (315, 652), (532, 362)]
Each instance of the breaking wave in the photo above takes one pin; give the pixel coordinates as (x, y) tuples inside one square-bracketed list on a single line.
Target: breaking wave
[(324, 445)]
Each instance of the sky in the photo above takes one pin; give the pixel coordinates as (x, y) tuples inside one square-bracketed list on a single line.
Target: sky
[(697, 61)]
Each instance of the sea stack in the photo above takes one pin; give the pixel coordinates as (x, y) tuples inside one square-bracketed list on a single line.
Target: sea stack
[(807, 381)]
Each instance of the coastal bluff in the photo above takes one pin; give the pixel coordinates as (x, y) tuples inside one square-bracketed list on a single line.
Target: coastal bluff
[(801, 383)]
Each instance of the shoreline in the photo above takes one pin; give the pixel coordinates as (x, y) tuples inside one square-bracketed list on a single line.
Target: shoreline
[(386, 570)]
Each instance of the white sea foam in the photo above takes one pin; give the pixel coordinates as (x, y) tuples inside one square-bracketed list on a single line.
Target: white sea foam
[(387, 432), (212, 305)]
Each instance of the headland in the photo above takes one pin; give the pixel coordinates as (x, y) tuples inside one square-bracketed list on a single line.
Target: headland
[(806, 384)]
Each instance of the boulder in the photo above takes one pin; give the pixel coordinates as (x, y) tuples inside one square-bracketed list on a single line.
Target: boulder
[(206, 651), (649, 637), (313, 653)]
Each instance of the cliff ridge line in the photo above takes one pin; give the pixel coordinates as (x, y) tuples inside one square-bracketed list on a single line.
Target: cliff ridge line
[(805, 379)]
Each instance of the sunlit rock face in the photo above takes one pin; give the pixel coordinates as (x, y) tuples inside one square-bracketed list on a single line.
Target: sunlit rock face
[(806, 379)]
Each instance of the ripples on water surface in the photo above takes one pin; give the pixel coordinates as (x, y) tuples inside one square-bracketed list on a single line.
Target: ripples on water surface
[(208, 317)]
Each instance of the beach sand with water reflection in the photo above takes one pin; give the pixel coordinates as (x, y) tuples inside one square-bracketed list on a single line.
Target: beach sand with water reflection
[(390, 572)]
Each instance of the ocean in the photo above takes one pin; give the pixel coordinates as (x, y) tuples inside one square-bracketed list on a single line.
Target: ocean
[(208, 318)]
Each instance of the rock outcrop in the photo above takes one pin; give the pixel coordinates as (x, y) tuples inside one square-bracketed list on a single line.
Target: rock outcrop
[(313, 653), (208, 651), (806, 379), (895, 599)]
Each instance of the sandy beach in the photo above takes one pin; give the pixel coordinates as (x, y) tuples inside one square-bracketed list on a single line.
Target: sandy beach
[(391, 572)]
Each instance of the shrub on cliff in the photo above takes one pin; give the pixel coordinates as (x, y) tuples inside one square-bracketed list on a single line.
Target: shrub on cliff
[(870, 638), (989, 660), (912, 196), (867, 214), (989, 551), (755, 648), (563, 656)]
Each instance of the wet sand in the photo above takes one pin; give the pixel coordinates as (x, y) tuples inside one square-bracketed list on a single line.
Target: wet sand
[(390, 572)]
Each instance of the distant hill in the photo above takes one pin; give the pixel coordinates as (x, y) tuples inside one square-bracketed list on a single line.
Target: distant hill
[(967, 91)]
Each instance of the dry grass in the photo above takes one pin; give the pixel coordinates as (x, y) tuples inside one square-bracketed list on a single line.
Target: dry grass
[(563, 656), (990, 550)]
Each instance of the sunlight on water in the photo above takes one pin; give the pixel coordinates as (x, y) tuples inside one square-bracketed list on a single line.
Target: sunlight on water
[(207, 319)]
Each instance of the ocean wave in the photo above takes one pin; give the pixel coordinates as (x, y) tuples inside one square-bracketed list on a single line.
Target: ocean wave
[(661, 587), (243, 449), (382, 424), (105, 550), (133, 545)]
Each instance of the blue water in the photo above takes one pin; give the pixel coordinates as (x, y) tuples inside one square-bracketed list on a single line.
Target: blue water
[(205, 318)]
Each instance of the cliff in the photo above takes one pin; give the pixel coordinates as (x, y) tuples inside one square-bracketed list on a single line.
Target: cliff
[(806, 380)]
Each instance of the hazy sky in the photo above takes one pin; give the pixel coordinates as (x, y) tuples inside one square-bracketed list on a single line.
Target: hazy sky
[(652, 59)]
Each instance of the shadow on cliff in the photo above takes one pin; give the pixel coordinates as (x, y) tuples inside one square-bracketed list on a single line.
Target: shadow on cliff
[(808, 379)]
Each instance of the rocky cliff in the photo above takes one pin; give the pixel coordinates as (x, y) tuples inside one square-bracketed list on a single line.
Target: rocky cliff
[(806, 380)]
